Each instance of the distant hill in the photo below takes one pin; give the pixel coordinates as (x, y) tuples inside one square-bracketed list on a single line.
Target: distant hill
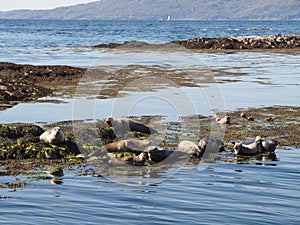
[(174, 9)]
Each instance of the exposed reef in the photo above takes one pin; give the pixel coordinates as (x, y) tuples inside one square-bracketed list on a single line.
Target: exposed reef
[(21, 141), (277, 41), (28, 82), (243, 42)]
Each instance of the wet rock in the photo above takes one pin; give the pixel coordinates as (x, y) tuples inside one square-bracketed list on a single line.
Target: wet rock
[(27, 82), (223, 43), (21, 141), (244, 42)]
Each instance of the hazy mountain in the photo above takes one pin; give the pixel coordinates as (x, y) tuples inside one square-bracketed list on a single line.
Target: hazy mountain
[(176, 9)]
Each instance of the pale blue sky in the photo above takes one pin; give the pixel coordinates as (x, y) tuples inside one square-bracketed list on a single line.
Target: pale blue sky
[(37, 4)]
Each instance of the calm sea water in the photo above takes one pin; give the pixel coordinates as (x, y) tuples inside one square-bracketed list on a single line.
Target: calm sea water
[(254, 192)]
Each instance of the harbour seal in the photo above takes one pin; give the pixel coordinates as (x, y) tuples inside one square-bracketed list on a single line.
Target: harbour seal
[(156, 155), (53, 136), (138, 160), (269, 145), (213, 145), (243, 116), (130, 145), (222, 120), (189, 147), (248, 149), (124, 125)]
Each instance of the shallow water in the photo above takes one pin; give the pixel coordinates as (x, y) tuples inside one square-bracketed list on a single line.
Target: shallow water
[(226, 82), (249, 193)]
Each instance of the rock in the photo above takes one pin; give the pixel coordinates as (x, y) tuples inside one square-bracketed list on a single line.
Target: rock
[(27, 82), (242, 42), (21, 141)]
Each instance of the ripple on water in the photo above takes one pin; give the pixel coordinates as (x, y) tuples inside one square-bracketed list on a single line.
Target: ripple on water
[(224, 192)]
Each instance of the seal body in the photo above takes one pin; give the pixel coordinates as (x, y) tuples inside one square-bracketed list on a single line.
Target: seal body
[(124, 125), (53, 136), (130, 145), (248, 149), (155, 155), (269, 145), (189, 147), (213, 145)]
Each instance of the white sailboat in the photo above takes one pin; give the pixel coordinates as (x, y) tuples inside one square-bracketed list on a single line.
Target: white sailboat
[(169, 18)]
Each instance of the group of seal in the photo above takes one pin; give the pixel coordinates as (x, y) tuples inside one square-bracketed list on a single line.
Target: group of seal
[(259, 146), (143, 149)]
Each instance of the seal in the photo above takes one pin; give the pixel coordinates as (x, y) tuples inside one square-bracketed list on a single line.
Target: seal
[(248, 149), (269, 145), (189, 147), (243, 116), (138, 160), (222, 120), (213, 145), (53, 136), (130, 145), (156, 155), (124, 125), (272, 118)]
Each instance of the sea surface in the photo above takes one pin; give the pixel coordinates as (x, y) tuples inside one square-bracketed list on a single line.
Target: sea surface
[(224, 192)]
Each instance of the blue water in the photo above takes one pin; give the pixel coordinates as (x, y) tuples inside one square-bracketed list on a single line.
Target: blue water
[(225, 193), (254, 192), (45, 33)]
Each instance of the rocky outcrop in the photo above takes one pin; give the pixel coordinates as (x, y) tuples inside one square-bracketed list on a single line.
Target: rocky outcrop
[(27, 82), (243, 42), (21, 141), (291, 41)]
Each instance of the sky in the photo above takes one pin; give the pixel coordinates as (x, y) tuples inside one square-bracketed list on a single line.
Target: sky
[(6, 5)]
